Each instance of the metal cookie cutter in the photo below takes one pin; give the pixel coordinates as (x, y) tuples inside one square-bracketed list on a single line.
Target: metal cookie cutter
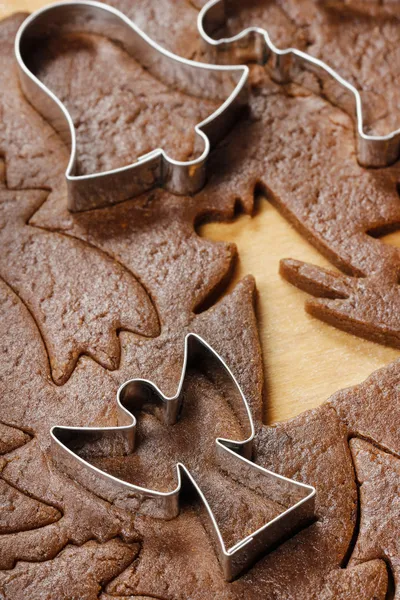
[(155, 168), (233, 458), (255, 44)]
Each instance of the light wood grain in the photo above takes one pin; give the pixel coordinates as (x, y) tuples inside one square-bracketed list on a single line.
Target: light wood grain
[(12, 6), (305, 360)]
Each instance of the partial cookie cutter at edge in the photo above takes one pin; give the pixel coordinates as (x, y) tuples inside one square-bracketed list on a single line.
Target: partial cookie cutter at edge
[(372, 150), (155, 168), (231, 455)]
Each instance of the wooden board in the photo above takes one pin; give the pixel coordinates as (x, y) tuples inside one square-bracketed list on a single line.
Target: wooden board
[(305, 360)]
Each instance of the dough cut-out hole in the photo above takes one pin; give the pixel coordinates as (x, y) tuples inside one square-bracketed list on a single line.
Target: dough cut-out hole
[(391, 235), (305, 360)]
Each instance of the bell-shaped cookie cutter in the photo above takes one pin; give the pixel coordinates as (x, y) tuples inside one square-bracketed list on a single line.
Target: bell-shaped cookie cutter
[(255, 44), (233, 458), (155, 168)]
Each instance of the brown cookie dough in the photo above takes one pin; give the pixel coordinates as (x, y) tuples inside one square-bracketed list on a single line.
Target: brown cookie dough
[(327, 30), (312, 448), (378, 476), (20, 513), (123, 105), (77, 572), (341, 208), (80, 296), (287, 130), (89, 398), (152, 240), (372, 408), (365, 306), (11, 438), (369, 580)]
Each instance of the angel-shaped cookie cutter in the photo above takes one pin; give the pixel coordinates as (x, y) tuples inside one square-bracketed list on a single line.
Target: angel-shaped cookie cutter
[(155, 168), (233, 457), (254, 44)]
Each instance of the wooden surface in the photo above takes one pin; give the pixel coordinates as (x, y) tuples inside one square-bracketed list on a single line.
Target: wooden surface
[(305, 360)]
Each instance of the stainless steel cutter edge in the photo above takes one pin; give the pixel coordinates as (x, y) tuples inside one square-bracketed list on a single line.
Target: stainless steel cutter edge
[(372, 150), (155, 168), (166, 504)]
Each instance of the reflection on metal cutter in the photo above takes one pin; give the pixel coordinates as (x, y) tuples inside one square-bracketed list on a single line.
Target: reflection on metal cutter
[(156, 168), (254, 44), (233, 458)]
